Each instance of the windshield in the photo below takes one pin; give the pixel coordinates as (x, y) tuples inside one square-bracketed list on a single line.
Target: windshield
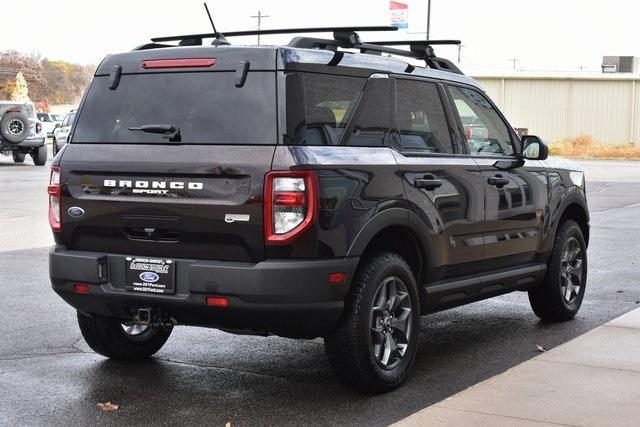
[(207, 108)]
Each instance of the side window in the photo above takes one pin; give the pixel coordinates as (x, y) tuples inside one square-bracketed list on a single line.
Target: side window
[(421, 119), (65, 122), (374, 117), (484, 130), (319, 106)]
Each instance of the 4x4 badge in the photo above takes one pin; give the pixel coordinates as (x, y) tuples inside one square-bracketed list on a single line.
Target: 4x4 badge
[(229, 218)]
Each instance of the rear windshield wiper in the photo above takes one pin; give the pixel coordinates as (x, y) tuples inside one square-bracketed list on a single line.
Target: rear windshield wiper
[(170, 132)]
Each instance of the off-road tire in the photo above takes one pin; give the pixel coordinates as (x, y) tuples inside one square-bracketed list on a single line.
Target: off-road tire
[(18, 157), (547, 299), (13, 121), (348, 345), (106, 336), (39, 156)]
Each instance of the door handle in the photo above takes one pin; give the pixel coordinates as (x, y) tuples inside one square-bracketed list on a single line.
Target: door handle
[(498, 181), (428, 182)]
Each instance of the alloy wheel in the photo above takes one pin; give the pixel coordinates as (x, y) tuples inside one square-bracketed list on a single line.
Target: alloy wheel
[(390, 322), (571, 270)]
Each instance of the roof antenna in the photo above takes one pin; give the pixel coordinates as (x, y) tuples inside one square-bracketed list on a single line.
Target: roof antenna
[(219, 40)]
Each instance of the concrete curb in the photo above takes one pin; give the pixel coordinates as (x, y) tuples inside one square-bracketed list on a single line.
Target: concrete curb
[(592, 380)]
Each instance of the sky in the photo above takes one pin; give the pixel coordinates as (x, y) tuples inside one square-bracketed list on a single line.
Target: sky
[(542, 35)]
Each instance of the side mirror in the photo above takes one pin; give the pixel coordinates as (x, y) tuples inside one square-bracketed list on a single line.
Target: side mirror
[(57, 125), (533, 148)]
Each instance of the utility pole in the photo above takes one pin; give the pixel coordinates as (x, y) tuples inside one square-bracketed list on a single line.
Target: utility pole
[(514, 60), (428, 19), (259, 17)]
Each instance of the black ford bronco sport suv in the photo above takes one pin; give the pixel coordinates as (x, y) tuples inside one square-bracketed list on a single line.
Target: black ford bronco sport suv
[(317, 189)]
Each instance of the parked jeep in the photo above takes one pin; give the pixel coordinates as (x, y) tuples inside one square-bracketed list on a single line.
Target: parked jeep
[(317, 189), (21, 132)]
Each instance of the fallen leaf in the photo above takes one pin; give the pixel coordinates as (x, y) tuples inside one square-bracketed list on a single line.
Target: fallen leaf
[(108, 406), (541, 349), (228, 424), (619, 291), (637, 302)]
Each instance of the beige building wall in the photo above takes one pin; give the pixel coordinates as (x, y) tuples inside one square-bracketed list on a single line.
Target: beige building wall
[(605, 107)]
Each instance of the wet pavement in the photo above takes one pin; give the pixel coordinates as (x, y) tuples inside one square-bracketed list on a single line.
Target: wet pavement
[(49, 376)]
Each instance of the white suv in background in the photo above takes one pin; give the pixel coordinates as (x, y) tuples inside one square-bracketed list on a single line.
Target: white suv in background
[(61, 133)]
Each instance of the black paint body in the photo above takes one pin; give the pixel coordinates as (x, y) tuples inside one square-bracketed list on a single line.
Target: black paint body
[(465, 239)]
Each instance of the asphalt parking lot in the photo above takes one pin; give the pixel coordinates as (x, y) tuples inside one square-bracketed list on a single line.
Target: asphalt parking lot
[(49, 376)]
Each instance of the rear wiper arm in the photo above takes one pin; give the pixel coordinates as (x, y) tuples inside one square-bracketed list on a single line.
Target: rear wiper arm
[(170, 132)]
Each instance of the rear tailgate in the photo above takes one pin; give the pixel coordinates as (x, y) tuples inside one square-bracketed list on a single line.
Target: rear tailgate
[(200, 202), (195, 193)]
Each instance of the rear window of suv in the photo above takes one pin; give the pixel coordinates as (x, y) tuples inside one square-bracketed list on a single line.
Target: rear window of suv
[(207, 108)]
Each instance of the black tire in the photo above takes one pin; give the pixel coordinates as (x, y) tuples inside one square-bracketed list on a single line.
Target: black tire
[(559, 296), (39, 156), (18, 157), (15, 126), (106, 336), (350, 345), (54, 146)]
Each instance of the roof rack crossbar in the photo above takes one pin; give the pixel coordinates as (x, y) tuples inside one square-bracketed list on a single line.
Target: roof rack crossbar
[(417, 42), (274, 31)]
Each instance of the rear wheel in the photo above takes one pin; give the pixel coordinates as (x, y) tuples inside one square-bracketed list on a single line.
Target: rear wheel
[(18, 157), (112, 338), (39, 156), (373, 346), (560, 295)]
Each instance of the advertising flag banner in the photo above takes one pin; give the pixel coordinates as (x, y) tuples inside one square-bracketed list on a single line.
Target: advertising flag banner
[(399, 14)]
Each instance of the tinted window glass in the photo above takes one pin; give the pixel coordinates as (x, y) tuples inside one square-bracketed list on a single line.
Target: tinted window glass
[(484, 130), (374, 116), (207, 108), (421, 119), (319, 107)]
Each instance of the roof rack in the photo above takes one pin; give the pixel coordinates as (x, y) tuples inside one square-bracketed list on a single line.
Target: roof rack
[(219, 35), (343, 37), (422, 49)]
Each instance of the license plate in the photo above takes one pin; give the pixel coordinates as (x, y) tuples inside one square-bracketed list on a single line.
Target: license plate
[(150, 275)]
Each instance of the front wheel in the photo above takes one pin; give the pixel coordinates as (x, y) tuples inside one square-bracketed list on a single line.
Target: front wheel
[(18, 157), (112, 338), (560, 294), (374, 344), (39, 156)]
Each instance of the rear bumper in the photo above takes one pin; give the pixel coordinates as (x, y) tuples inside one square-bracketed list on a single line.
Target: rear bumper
[(285, 297), (33, 142)]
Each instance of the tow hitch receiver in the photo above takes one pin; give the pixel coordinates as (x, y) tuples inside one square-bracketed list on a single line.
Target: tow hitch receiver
[(154, 317)]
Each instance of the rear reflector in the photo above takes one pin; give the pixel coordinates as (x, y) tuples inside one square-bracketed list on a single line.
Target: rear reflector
[(337, 278), (81, 288), (179, 63), (217, 302)]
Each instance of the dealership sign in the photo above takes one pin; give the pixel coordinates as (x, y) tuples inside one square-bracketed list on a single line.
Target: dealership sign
[(399, 14)]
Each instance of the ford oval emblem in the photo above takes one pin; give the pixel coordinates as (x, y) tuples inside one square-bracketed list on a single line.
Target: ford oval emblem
[(75, 212), (149, 277)]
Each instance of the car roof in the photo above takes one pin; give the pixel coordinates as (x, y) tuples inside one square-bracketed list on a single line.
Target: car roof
[(286, 58)]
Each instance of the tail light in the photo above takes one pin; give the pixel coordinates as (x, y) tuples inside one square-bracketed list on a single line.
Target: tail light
[(54, 191), (290, 204), (38, 127)]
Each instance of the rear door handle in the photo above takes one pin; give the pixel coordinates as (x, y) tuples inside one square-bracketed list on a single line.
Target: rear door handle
[(428, 182), (498, 181)]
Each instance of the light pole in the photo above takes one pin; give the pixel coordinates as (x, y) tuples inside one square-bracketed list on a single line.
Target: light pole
[(259, 17), (428, 18)]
